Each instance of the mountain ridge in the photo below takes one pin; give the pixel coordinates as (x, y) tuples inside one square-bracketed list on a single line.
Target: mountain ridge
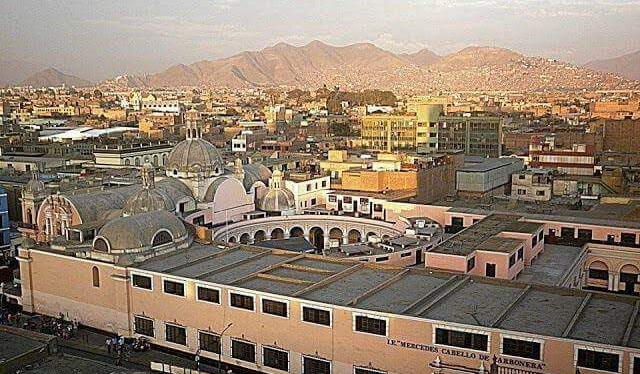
[(364, 65), (627, 65), (52, 77)]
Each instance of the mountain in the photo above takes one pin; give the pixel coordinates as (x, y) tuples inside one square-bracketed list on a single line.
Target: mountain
[(627, 65), (423, 57), (53, 78), (14, 71), (364, 66)]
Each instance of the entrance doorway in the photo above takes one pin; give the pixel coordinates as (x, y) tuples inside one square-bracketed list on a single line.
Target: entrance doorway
[(490, 270)]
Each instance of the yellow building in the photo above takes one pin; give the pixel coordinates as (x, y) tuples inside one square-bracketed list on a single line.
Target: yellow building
[(415, 130)]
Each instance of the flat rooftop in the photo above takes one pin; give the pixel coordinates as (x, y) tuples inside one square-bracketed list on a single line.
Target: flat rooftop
[(589, 316), (482, 236), (551, 266)]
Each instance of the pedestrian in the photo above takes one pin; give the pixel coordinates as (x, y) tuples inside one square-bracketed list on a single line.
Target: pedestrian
[(121, 340), (109, 342)]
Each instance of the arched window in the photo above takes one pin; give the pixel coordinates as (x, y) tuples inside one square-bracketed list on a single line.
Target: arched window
[(137, 161), (155, 160), (127, 162), (100, 245), (163, 237), (96, 276)]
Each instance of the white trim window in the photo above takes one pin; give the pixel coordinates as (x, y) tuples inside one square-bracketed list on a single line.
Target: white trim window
[(142, 281), (472, 339), (208, 294), (522, 347), (174, 287), (315, 365), (242, 301), (275, 358), (143, 325), (367, 370), (370, 324), (243, 350), (316, 315), (275, 307), (175, 334), (596, 358)]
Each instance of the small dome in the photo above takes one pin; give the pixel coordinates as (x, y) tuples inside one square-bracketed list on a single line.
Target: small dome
[(35, 186), (194, 156), (141, 232), (275, 200), (147, 200), (276, 197)]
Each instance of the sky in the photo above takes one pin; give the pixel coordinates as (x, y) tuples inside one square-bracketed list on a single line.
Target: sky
[(100, 39)]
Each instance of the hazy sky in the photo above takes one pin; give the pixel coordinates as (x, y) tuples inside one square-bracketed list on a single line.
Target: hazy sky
[(96, 39)]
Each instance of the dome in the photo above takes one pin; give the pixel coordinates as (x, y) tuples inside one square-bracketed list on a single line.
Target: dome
[(35, 186), (193, 156), (276, 197), (140, 232), (147, 200), (275, 200), (255, 173)]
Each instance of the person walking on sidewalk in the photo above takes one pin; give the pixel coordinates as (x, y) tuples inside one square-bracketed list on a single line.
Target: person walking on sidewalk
[(109, 343)]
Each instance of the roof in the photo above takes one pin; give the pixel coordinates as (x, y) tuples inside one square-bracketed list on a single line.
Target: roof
[(417, 292), (296, 244), (489, 164), (482, 235)]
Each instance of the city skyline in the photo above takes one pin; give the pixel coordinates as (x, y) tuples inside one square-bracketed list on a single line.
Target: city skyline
[(81, 39)]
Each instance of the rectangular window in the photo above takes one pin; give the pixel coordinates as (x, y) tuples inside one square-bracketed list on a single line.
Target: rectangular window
[(347, 199), (471, 263), (598, 360), (598, 274), (534, 241), (275, 358), (628, 238), (209, 342), (461, 339), (141, 281), (540, 236), (143, 326), (585, 234), (567, 232), (241, 301), (512, 260), (332, 198), (315, 366), (521, 253), (405, 254), (521, 348), (277, 308), (173, 288), (367, 371), (370, 325), (319, 316), (209, 295), (243, 351), (457, 221), (176, 334), (382, 259)]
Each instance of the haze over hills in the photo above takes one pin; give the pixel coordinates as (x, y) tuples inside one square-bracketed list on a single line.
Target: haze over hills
[(627, 65), (363, 65), (51, 78), (14, 71)]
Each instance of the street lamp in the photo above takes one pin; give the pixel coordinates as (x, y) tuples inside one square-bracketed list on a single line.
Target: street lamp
[(220, 351)]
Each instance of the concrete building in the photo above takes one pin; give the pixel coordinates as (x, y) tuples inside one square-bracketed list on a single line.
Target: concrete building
[(437, 176), (532, 185), (477, 134), (5, 240), (489, 177), (578, 159), (308, 190), (415, 131), (132, 154)]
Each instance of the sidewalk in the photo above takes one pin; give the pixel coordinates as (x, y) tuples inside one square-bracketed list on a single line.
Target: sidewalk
[(94, 343)]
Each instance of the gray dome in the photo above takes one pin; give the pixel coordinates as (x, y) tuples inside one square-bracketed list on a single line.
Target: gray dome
[(148, 200), (136, 233), (35, 187), (255, 173), (193, 156)]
